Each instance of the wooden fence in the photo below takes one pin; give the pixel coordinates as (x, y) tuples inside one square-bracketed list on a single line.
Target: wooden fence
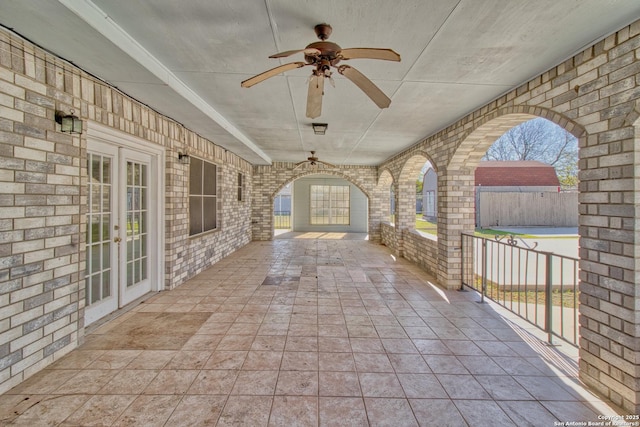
[(509, 209)]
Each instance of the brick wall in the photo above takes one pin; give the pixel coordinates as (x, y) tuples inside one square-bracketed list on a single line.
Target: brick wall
[(43, 202), (187, 256), (388, 234), (595, 95), (269, 180), (421, 250)]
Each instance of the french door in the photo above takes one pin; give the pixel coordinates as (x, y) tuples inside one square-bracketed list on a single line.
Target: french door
[(119, 261)]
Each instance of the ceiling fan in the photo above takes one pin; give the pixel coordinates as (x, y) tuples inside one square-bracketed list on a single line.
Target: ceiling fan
[(323, 55), (313, 161)]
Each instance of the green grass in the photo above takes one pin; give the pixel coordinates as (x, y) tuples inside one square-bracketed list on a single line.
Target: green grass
[(426, 226), (488, 233), (567, 298), (282, 222)]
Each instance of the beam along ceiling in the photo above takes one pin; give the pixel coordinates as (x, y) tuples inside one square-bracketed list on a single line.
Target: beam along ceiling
[(186, 59)]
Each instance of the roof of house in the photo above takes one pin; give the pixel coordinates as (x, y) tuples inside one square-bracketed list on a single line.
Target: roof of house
[(515, 173)]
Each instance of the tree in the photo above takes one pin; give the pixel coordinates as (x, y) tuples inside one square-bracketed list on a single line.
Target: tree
[(541, 140)]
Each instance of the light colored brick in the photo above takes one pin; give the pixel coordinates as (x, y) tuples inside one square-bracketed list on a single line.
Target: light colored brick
[(28, 246), (25, 316), (21, 223), (59, 324), (63, 332), (57, 241), (37, 345), (11, 89), (12, 212), (11, 187), (26, 363), (30, 84), (30, 154), (39, 144), (58, 303), (11, 114), (36, 256), (25, 340)]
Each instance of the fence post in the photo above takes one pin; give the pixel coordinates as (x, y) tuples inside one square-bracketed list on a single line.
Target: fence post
[(548, 300), (484, 270), (462, 263)]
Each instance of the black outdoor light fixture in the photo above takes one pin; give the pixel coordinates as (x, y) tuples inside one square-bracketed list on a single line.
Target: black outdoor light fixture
[(183, 158), (68, 122), (319, 128)]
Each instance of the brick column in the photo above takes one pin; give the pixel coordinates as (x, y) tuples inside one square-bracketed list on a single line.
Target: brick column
[(405, 211), (610, 265), (378, 212), (455, 215)]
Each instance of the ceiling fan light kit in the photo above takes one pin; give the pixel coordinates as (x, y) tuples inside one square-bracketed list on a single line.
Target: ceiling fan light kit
[(324, 55), (313, 161)]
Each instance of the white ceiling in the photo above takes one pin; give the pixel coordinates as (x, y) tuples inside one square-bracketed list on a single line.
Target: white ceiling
[(186, 59)]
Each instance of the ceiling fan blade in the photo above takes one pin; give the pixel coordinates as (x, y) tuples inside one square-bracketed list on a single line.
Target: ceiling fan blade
[(270, 73), (367, 86), (326, 164), (369, 53), (314, 97), (310, 51)]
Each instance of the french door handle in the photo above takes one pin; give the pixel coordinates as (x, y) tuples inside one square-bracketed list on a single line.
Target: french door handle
[(117, 239)]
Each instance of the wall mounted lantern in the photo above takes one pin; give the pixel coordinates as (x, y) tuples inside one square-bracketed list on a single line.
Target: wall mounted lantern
[(68, 122), (183, 158)]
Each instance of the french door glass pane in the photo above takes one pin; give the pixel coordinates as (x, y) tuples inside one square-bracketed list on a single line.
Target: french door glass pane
[(98, 268), (136, 210)]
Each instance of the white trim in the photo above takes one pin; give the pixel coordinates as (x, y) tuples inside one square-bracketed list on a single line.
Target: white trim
[(108, 135), (100, 309)]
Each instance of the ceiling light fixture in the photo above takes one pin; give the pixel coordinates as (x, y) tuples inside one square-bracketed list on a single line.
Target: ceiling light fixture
[(319, 128)]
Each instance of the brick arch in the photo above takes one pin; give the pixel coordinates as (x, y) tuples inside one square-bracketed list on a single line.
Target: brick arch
[(633, 117), (385, 177), (323, 172), (473, 145), (405, 191), (383, 194), (412, 166)]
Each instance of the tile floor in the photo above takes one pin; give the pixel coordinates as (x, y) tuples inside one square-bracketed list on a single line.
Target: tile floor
[(306, 332)]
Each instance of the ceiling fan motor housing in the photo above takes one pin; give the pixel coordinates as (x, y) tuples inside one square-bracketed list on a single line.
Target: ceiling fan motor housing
[(328, 51)]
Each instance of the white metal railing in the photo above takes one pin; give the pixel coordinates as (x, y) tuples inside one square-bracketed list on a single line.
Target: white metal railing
[(540, 287)]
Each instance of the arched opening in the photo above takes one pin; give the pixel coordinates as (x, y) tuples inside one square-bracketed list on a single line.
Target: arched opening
[(282, 212), (508, 182), (323, 202), (411, 196), (528, 179), (457, 182), (427, 201)]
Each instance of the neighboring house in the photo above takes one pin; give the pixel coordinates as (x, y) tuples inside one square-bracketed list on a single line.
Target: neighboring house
[(521, 194), (516, 176), (430, 195), (511, 177)]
